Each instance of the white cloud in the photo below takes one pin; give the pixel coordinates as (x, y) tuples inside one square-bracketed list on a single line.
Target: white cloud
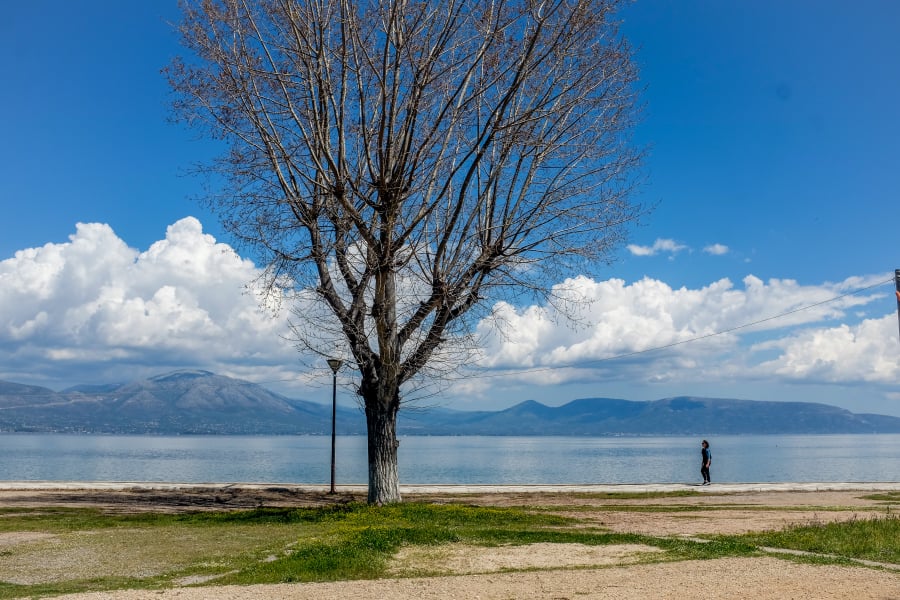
[(863, 353), (95, 308), (716, 249), (660, 245), (649, 332)]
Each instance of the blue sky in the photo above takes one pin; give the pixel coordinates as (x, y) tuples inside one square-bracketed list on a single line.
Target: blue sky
[(773, 138)]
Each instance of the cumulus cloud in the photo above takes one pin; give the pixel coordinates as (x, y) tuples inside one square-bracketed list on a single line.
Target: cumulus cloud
[(659, 246), (96, 310), (861, 353), (95, 307), (716, 249), (647, 331)]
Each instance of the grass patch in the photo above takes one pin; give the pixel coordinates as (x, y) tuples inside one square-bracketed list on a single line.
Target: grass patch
[(83, 549), (59, 550), (76, 550), (876, 539), (676, 508), (360, 540), (711, 548), (884, 497)]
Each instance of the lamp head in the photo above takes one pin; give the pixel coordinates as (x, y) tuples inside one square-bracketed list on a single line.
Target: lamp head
[(335, 364)]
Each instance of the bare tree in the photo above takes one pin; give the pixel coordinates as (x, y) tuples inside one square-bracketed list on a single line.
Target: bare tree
[(408, 161)]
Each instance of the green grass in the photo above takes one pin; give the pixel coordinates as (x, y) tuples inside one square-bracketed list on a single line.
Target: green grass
[(678, 508), (876, 539), (889, 497), (270, 545), (84, 549), (350, 541), (262, 545), (361, 539)]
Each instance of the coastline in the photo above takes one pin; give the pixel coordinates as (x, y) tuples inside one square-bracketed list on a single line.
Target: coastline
[(425, 489)]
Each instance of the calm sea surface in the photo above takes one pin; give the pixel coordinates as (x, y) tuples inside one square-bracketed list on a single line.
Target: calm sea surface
[(449, 460)]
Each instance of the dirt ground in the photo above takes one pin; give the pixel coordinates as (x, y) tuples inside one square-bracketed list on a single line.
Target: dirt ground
[(542, 571)]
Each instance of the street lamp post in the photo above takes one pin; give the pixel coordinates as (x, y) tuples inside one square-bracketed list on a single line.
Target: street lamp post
[(335, 364)]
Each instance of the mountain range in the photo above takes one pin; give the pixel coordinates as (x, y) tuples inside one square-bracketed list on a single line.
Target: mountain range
[(200, 402)]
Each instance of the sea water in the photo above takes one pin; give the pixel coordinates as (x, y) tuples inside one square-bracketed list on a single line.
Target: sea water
[(488, 460)]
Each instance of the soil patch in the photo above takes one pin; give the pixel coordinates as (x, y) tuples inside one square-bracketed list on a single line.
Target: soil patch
[(724, 579), (23, 537), (462, 559)]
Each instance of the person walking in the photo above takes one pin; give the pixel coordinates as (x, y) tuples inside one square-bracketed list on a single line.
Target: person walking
[(706, 456)]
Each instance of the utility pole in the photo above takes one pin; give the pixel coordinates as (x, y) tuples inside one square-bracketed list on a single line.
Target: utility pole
[(897, 284)]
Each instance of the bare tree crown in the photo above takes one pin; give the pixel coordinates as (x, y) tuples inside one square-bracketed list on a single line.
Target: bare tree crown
[(409, 160)]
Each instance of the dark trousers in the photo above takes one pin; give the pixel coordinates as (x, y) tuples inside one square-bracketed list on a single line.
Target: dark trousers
[(704, 470)]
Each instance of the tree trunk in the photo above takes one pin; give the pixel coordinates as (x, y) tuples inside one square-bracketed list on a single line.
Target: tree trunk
[(384, 477)]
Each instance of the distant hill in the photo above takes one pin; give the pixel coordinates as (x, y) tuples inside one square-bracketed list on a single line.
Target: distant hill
[(195, 402), (13, 395), (181, 402), (669, 416)]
